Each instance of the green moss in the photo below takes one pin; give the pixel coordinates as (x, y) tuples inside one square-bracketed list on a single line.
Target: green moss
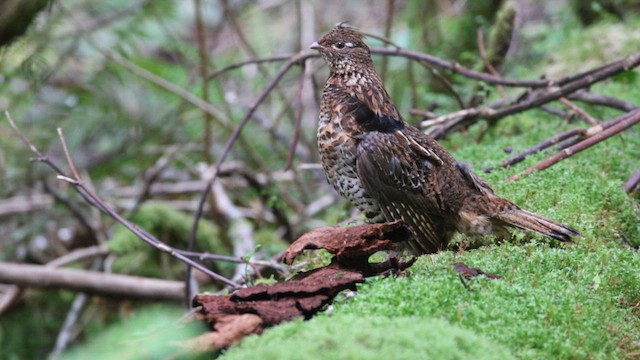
[(349, 336), (553, 300), (550, 303)]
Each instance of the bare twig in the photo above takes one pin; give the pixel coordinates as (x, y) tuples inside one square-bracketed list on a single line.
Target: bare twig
[(68, 330), (485, 59), (276, 58), (455, 67), (9, 295), (626, 121), (597, 99), (633, 183), (535, 99), (157, 80), (299, 57), (80, 255), (95, 201), (70, 163), (585, 115), (541, 146), (565, 140), (298, 122), (387, 33), (65, 335)]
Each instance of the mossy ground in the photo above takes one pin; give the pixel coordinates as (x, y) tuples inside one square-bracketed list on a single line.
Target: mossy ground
[(554, 301)]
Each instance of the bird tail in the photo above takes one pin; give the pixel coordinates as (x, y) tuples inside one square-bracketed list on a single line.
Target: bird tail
[(527, 220)]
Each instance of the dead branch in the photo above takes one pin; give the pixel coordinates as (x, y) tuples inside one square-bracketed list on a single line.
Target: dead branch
[(277, 58), (565, 139), (299, 57), (585, 115), (447, 123), (632, 185), (91, 198), (624, 122), (92, 282), (541, 146), (602, 100), (298, 119), (457, 68), (11, 293)]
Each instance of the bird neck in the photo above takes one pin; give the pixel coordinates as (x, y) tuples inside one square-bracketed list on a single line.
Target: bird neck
[(355, 76)]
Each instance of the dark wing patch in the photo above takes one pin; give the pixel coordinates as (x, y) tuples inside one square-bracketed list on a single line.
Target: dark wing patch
[(371, 121), (401, 181)]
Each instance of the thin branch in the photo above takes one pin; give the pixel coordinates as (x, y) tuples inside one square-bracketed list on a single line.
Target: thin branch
[(565, 139), (534, 99), (485, 59), (387, 33), (585, 115), (256, 61), (633, 183), (539, 147), (299, 57), (80, 254), (602, 100), (95, 201), (457, 68), (65, 336), (24, 204), (298, 122), (625, 122), (70, 163)]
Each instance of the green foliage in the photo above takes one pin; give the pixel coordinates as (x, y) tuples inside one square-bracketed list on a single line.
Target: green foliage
[(150, 333), (373, 336), (26, 333), (173, 227)]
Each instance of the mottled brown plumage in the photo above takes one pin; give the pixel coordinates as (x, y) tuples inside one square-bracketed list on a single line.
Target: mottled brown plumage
[(390, 170)]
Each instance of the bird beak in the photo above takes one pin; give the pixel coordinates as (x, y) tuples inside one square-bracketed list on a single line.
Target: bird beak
[(315, 46)]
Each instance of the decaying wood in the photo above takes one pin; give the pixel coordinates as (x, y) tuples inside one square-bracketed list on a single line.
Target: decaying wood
[(306, 293), (353, 245)]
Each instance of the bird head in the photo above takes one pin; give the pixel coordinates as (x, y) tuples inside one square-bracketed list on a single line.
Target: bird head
[(344, 50)]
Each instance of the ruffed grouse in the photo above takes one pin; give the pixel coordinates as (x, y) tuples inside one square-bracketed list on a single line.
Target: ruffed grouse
[(390, 170)]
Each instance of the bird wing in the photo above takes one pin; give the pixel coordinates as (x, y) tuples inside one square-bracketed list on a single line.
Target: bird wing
[(402, 176), (369, 119)]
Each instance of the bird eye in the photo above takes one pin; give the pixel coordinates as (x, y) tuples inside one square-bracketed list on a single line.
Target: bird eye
[(339, 45)]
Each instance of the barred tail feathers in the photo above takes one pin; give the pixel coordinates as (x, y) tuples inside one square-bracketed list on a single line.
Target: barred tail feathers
[(527, 220)]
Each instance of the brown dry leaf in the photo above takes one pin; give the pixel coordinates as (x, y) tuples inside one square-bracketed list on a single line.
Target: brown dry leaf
[(468, 272)]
